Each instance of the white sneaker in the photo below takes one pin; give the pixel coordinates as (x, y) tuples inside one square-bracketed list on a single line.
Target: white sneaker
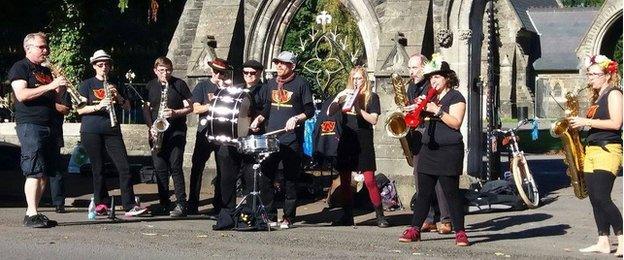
[(273, 224), (135, 212), (285, 224)]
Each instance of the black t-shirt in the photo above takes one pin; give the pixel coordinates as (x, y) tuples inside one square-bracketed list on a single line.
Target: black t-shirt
[(418, 89), (437, 132), (99, 122), (355, 121), (297, 95), (41, 109), (602, 112), (177, 93), (258, 98), (200, 95)]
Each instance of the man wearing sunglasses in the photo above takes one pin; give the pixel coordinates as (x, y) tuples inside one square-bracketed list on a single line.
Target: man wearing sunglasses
[(203, 95), (37, 94), (99, 138)]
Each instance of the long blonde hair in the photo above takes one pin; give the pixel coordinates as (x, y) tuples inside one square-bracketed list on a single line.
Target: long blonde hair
[(366, 88)]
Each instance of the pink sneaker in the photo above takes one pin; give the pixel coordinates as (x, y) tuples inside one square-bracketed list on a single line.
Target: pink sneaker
[(461, 239), (101, 209), (410, 235)]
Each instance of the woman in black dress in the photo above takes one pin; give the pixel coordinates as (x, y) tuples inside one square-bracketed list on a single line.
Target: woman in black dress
[(356, 150), (442, 154)]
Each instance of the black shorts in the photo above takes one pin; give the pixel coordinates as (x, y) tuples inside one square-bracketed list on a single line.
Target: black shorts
[(38, 156)]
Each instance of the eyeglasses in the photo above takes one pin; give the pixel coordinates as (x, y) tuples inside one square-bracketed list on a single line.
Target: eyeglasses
[(594, 74), (41, 47), (249, 72), (101, 65)]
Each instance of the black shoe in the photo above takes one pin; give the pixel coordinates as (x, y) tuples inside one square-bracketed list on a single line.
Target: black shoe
[(382, 222), (38, 221), (60, 209), (178, 211), (192, 211)]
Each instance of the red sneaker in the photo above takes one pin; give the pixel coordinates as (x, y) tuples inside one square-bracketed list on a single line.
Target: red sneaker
[(461, 239), (410, 235)]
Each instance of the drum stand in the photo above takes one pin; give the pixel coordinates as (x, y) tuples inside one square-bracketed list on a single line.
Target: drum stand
[(257, 207)]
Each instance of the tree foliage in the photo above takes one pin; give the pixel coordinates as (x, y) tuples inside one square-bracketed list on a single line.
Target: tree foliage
[(582, 3), (305, 38)]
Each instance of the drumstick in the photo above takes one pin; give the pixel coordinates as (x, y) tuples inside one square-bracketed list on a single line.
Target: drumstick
[(277, 131)]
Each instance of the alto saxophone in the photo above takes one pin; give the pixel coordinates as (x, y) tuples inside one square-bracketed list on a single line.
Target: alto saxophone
[(77, 100), (572, 147), (161, 124), (395, 125), (111, 107)]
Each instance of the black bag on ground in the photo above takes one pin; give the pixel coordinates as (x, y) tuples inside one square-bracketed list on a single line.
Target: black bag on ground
[(146, 174), (497, 195)]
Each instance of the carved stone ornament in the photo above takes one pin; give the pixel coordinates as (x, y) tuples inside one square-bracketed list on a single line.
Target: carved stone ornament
[(464, 35), (444, 38)]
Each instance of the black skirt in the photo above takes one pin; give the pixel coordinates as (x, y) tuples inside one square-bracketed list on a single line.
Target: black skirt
[(356, 151), (446, 160)]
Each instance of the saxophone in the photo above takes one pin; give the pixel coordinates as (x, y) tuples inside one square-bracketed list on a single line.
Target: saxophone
[(395, 125), (111, 107), (77, 100), (572, 147), (161, 124)]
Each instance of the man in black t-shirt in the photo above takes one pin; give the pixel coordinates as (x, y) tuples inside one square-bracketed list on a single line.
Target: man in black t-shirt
[(168, 159), (37, 94), (203, 96), (57, 188), (288, 103)]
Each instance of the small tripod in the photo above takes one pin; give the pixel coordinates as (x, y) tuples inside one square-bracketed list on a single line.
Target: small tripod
[(257, 207)]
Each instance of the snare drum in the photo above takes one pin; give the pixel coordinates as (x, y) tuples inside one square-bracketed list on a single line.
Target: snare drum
[(258, 144), (228, 118)]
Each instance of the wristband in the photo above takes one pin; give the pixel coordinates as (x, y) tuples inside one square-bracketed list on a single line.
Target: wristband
[(439, 113)]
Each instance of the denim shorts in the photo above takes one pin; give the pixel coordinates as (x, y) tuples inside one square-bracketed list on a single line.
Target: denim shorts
[(38, 156)]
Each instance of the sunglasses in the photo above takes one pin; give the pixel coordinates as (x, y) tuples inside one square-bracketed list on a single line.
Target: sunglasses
[(250, 72), (102, 65)]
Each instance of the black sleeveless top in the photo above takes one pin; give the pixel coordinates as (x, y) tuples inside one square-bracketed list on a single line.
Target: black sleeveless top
[(602, 112)]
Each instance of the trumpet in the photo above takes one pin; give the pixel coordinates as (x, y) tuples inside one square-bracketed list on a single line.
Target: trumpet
[(77, 100)]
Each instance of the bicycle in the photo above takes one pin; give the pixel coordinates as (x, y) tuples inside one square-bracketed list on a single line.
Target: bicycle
[(523, 179)]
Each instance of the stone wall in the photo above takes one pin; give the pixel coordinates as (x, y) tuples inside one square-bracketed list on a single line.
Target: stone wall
[(558, 84)]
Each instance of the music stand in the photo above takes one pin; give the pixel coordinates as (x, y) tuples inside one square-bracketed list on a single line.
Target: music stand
[(257, 207)]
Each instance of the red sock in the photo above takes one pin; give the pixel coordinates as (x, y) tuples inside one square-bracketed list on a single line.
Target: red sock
[(371, 185)]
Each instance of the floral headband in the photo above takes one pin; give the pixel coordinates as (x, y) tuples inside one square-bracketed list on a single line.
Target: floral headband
[(605, 63)]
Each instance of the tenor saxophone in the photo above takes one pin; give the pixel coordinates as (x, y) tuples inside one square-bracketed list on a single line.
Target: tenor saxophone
[(161, 124), (78, 101), (111, 107), (395, 125), (572, 147)]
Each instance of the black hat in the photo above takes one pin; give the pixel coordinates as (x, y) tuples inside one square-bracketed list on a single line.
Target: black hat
[(254, 64), (436, 66)]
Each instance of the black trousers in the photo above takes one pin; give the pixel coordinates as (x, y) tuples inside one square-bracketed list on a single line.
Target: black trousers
[(201, 153), (439, 211), (96, 146), (57, 185), (426, 192), (230, 163), (168, 162), (290, 156), (606, 214)]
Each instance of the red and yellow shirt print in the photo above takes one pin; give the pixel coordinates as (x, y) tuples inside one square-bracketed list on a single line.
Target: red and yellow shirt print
[(328, 128), (42, 78), (281, 98), (99, 93)]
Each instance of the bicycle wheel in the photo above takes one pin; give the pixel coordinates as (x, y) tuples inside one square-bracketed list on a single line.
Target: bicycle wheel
[(525, 184)]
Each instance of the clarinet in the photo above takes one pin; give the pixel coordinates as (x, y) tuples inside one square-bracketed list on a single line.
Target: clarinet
[(111, 107)]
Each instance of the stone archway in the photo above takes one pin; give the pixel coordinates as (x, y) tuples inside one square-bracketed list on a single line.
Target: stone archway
[(603, 30), (270, 23)]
